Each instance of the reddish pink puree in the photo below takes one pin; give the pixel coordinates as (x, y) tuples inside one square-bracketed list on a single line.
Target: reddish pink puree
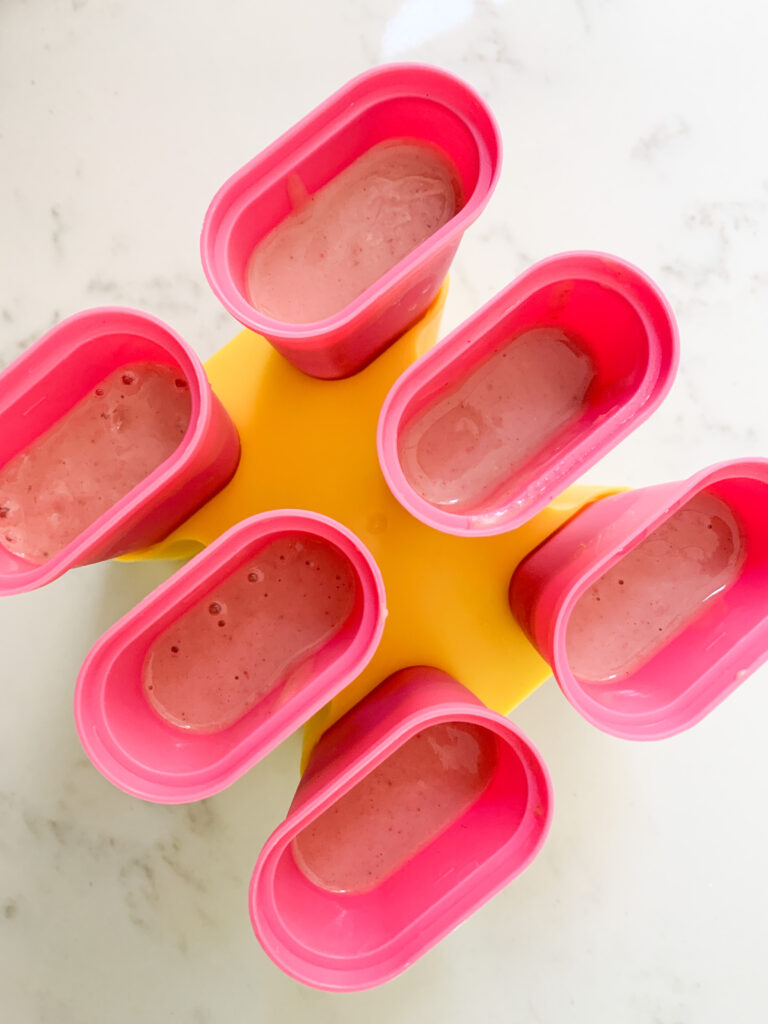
[(93, 456), (649, 596), (353, 230), (396, 810), (488, 428), (243, 639)]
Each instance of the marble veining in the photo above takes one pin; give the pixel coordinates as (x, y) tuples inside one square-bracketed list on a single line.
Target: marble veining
[(632, 128)]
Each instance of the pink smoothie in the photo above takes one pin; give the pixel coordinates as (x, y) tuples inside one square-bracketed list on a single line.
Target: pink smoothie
[(93, 456), (659, 587), (489, 427), (337, 242), (396, 810), (240, 641)]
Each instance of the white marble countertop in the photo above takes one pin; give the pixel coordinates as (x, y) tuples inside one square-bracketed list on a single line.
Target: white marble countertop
[(635, 128)]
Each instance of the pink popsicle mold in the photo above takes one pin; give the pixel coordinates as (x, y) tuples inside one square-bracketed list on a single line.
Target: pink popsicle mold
[(344, 941), (688, 676), (394, 101), (615, 315), (54, 374), (142, 753)]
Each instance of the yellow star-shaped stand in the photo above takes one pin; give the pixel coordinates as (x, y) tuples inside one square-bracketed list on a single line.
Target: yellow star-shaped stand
[(311, 444)]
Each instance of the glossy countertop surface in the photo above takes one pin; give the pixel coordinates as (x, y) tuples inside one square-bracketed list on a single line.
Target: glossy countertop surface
[(632, 128)]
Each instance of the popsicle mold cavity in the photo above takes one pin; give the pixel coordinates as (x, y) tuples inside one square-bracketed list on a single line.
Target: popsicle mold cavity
[(415, 807), (341, 240), (110, 436), (113, 438), (397, 223), (486, 429), (173, 706), (650, 605), (257, 626)]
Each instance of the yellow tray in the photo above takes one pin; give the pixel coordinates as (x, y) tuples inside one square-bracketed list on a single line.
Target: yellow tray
[(311, 444)]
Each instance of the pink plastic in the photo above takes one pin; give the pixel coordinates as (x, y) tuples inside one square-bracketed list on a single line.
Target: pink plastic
[(45, 382), (392, 101), (696, 669), (141, 753), (625, 325), (350, 941)]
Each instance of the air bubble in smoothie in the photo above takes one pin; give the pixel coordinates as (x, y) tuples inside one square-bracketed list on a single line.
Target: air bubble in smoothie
[(654, 591), (491, 426), (107, 443), (239, 643), (397, 809), (340, 240)]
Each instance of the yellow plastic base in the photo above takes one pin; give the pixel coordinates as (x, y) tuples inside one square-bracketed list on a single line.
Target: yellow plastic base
[(311, 444)]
